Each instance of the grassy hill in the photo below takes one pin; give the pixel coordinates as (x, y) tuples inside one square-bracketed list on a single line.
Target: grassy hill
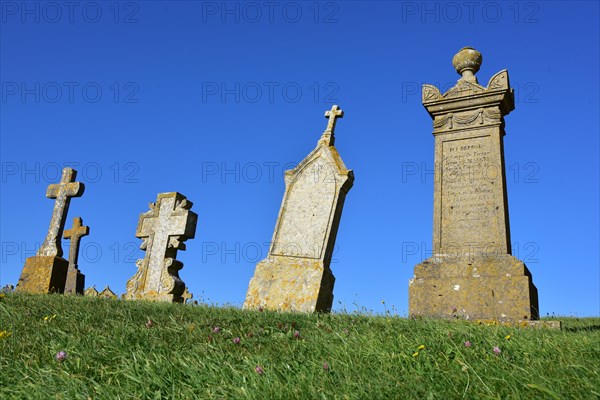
[(111, 351)]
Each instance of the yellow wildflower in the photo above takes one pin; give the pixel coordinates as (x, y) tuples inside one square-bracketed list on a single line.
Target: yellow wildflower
[(421, 347), (49, 318), (507, 337), (416, 353), (5, 334)]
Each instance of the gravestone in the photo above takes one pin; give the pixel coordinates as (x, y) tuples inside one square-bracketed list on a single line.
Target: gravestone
[(47, 271), (296, 275), (186, 295), (471, 274), (91, 292), (107, 294), (163, 231), (75, 279)]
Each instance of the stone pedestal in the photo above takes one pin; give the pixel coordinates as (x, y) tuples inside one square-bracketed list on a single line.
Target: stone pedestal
[(296, 275), (500, 289), (43, 274), (471, 273)]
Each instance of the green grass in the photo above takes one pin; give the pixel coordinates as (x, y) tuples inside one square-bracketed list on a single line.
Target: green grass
[(111, 354)]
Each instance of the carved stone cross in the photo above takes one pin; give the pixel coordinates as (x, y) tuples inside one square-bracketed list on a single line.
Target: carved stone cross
[(332, 115), (75, 279), (75, 234), (186, 295), (62, 192), (163, 230)]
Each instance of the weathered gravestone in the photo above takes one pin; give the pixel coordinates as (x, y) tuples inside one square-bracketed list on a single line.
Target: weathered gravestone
[(47, 271), (91, 292), (75, 279), (186, 296), (163, 231), (471, 273), (107, 294), (296, 275)]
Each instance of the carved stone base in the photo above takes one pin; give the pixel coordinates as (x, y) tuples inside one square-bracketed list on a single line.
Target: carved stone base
[(171, 287), (291, 284), (499, 289), (43, 274), (154, 296), (75, 283)]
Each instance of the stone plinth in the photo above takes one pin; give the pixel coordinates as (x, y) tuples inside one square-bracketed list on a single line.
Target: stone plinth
[(43, 274), (163, 231), (471, 273), (296, 274)]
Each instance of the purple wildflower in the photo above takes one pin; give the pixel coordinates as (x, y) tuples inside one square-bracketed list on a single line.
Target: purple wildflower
[(61, 356)]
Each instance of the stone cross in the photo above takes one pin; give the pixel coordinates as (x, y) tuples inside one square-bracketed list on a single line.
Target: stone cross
[(163, 231), (75, 280), (46, 272), (472, 274), (62, 192), (186, 295), (76, 232), (332, 115), (296, 275)]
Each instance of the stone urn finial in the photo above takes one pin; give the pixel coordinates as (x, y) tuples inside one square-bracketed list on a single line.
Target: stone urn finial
[(467, 62)]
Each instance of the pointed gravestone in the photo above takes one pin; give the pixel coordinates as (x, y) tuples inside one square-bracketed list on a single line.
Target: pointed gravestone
[(75, 279), (163, 230), (107, 294), (296, 274), (472, 273), (91, 292), (47, 271)]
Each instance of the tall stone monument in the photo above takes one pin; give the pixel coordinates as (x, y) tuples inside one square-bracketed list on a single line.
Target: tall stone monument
[(163, 231), (471, 273), (75, 279), (47, 271), (296, 276)]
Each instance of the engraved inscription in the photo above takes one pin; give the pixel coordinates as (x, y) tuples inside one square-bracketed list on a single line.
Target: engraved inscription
[(306, 212), (471, 206)]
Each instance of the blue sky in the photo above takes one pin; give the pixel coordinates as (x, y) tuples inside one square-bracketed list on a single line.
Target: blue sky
[(215, 100)]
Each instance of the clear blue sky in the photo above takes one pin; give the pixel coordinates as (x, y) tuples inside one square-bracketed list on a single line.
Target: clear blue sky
[(216, 101)]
